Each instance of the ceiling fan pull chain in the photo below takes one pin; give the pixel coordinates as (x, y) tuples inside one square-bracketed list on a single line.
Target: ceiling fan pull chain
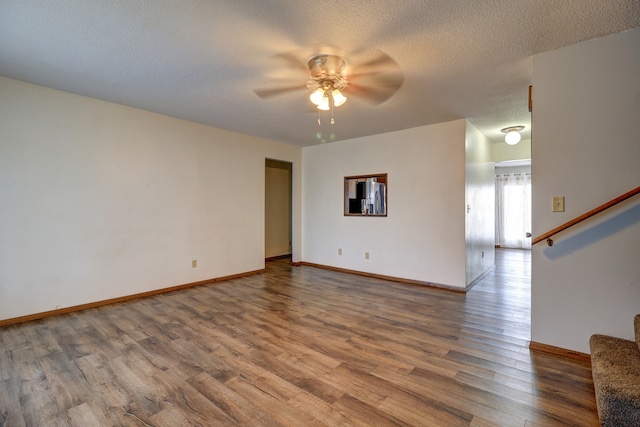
[(331, 104)]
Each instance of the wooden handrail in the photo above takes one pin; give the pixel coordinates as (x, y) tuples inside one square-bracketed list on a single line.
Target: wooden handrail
[(548, 234)]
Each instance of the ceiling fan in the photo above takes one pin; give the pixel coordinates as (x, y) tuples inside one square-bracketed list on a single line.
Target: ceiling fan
[(373, 77)]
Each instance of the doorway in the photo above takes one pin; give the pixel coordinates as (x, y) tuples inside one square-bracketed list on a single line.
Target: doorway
[(278, 209), (513, 204)]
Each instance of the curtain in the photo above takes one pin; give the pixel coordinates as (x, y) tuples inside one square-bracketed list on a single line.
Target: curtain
[(513, 210)]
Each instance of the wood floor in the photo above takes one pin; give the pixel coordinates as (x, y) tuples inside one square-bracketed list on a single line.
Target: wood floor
[(297, 346)]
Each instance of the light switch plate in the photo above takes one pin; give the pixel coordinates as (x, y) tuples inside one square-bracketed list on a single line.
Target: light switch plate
[(558, 204)]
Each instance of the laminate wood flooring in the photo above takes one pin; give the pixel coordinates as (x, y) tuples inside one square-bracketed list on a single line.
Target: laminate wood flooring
[(297, 346)]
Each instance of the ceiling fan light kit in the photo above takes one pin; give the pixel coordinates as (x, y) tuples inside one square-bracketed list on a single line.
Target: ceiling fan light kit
[(326, 82), (338, 98), (325, 98)]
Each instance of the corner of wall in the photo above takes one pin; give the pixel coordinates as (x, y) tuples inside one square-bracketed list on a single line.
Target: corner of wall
[(479, 205)]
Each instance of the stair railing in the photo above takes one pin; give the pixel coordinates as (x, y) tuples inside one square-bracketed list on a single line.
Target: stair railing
[(547, 236)]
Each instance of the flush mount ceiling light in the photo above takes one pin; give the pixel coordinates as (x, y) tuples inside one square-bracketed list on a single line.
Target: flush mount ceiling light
[(326, 82), (512, 136)]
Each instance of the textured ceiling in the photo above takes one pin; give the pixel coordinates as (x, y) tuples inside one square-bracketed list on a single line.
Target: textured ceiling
[(201, 60)]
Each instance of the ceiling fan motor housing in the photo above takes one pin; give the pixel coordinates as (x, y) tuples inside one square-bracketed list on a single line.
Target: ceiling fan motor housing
[(326, 66), (326, 71)]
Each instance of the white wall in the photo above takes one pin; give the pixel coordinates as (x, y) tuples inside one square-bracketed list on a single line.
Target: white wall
[(505, 152), (480, 202), (423, 236), (587, 149), (99, 200)]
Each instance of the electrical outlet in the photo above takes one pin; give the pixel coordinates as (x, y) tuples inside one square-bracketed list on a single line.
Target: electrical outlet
[(194, 263), (366, 255), (339, 251)]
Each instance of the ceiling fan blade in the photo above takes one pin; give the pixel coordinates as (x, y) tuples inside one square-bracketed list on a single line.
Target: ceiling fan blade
[(373, 96), (376, 64), (276, 91), (372, 60), (375, 88), (391, 79), (294, 60)]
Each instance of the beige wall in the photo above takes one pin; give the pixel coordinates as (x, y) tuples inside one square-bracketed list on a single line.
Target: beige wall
[(423, 236), (101, 200)]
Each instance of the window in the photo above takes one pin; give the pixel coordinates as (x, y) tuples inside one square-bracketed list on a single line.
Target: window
[(513, 210), (365, 195)]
